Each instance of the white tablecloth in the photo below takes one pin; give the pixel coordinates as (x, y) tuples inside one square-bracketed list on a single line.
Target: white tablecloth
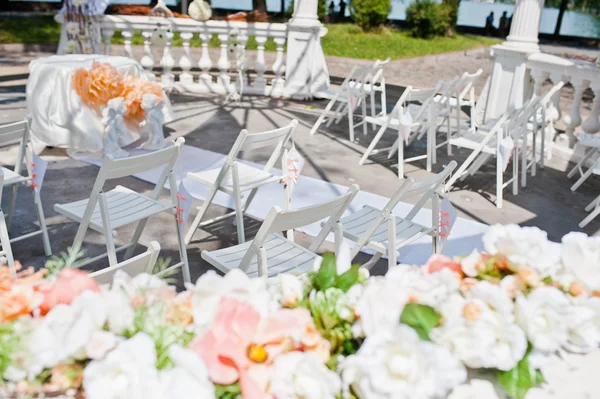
[(58, 117)]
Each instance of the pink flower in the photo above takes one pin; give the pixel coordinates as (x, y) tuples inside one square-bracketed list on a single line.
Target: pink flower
[(438, 262), (69, 284), (241, 345)]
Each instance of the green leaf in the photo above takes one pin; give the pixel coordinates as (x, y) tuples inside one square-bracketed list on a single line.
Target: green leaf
[(347, 279), (325, 277), (421, 318), (517, 381)]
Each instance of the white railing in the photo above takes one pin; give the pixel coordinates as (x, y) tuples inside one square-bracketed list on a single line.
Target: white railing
[(581, 75), (205, 83)]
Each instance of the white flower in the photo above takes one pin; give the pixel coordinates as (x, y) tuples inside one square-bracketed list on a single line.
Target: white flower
[(100, 343), (581, 255), (479, 329), (129, 372), (524, 246), (72, 28), (67, 329), (397, 364), (210, 288), (286, 289), (144, 283), (379, 307), (188, 379), (120, 313), (25, 364), (422, 287), (584, 326), (471, 263), (543, 316), (475, 389), (511, 285), (70, 47), (303, 375)]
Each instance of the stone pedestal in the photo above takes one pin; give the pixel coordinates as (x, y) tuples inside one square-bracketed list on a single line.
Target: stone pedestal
[(306, 70)]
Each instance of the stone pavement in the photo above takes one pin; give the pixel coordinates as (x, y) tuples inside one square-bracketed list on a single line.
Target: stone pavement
[(207, 122)]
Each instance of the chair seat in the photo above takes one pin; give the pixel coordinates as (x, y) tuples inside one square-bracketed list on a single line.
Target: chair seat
[(588, 140), (11, 177), (472, 141), (413, 110), (330, 94), (452, 101), (368, 88), (283, 256), (356, 224), (124, 207), (249, 177)]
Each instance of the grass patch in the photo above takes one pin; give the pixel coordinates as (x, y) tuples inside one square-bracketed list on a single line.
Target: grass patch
[(343, 40)]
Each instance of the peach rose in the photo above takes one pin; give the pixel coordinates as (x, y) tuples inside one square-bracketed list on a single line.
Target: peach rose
[(98, 85), (69, 284), (133, 92), (438, 262)]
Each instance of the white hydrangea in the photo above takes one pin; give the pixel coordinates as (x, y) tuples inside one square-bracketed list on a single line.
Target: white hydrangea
[(583, 326), (581, 255), (396, 363), (422, 287), (286, 289), (303, 375), (524, 246)]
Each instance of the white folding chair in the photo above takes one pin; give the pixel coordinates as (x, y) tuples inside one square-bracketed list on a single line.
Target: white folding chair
[(346, 99), (143, 263), (591, 142), (6, 255), (594, 209), (106, 211), (375, 83), (270, 253), (380, 230), (419, 103), (18, 134), (235, 177), (486, 144)]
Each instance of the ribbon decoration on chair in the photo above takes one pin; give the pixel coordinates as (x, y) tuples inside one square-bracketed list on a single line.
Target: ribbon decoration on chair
[(448, 215), (184, 204), (37, 170), (507, 146), (295, 164), (406, 122)]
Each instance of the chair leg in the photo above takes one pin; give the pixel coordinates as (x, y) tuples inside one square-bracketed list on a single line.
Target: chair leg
[(10, 210), (374, 143), (499, 181), (185, 268), (364, 116), (534, 148), (351, 122), (321, 118), (239, 210), (400, 155), (393, 149), (461, 170), (136, 237), (338, 238), (449, 145), (110, 243), (42, 220), (435, 222), (373, 110), (593, 204), (515, 170), (341, 110), (5, 243), (524, 161), (392, 255), (592, 215), (582, 179), (374, 259), (199, 216), (581, 163)]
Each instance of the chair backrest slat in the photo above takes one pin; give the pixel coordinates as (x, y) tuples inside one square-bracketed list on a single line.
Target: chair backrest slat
[(143, 263), (13, 133), (252, 141), (1, 184), (117, 168), (466, 82)]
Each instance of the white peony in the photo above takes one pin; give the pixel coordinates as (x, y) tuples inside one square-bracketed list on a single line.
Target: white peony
[(524, 246), (303, 375), (25, 364), (119, 310), (286, 289), (480, 329), (475, 389), (543, 316), (210, 288), (584, 326), (129, 372), (66, 330), (379, 307), (100, 343), (395, 363), (581, 255), (188, 379), (151, 287), (427, 288), (472, 264)]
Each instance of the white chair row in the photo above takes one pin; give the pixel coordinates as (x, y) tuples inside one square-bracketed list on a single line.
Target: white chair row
[(591, 144)]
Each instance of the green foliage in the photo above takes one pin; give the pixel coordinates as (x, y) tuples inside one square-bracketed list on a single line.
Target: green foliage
[(421, 318), (449, 9), (9, 343), (161, 268), (71, 258), (232, 391), (370, 14), (321, 9), (326, 277), (517, 381), (426, 20)]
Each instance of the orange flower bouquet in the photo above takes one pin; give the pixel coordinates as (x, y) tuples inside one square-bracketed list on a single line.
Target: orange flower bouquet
[(133, 92), (98, 85)]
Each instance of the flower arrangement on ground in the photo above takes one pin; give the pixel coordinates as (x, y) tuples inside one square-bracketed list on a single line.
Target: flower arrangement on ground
[(333, 333)]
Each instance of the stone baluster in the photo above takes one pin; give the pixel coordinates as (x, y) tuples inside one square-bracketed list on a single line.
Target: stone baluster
[(260, 66), (279, 66), (107, 35), (205, 63), (592, 123), (127, 36), (573, 119), (539, 77), (553, 110), (147, 60), (223, 64), (185, 62), (167, 62), (243, 40)]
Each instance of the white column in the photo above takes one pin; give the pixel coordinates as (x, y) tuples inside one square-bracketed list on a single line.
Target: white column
[(148, 58), (525, 25), (107, 35), (205, 63), (260, 65), (185, 62), (167, 62), (223, 64), (127, 36), (306, 69), (573, 119)]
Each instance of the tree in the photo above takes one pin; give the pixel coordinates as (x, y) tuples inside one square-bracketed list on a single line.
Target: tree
[(561, 13), (260, 5)]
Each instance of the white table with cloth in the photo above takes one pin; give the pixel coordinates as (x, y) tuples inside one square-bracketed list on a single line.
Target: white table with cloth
[(58, 117)]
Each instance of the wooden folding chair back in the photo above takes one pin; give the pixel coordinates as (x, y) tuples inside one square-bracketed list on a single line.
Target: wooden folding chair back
[(278, 221), (142, 263)]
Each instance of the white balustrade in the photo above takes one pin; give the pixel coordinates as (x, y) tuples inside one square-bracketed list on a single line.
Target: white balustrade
[(185, 80)]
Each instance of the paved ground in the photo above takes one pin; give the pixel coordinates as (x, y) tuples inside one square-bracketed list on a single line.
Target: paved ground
[(206, 122)]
